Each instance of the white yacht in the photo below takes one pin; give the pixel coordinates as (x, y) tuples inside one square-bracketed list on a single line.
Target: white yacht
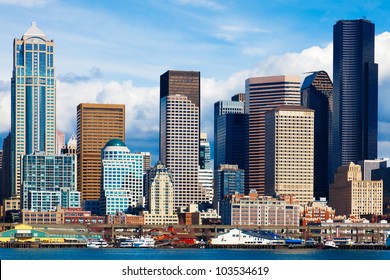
[(97, 243)]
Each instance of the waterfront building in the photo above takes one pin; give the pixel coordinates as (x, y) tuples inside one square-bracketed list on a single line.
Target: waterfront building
[(122, 178), (229, 180), (6, 168), (289, 152), (49, 182), (179, 133), (161, 197), (256, 210), (71, 146), (317, 212), (355, 95), (350, 195), (60, 141), (263, 94), (229, 132), (26, 233), (33, 99), (10, 208), (96, 124), (317, 94)]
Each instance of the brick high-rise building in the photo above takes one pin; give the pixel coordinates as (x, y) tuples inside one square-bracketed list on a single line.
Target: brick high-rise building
[(96, 125)]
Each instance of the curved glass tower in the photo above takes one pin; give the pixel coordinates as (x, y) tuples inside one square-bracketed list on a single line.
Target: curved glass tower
[(355, 99), (317, 94)]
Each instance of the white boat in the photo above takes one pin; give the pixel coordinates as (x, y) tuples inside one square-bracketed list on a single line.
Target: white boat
[(142, 242), (330, 244), (98, 243)]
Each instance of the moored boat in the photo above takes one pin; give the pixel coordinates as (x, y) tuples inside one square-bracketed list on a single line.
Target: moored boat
[(330, 244), (97, 243)]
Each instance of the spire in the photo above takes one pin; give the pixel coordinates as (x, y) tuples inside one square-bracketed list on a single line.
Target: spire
[(34, 31)]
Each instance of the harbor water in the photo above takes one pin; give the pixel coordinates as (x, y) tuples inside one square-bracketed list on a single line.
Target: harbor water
[(188, 254)]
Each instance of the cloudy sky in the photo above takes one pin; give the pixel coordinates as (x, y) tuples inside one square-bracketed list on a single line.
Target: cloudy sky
[(114, 51)]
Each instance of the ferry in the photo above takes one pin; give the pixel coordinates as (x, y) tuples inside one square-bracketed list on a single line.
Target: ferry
[(142, 242), (342, 241), (98, 243), (330, 244)]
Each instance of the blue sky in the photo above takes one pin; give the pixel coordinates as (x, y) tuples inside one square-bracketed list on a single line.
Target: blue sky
[(114, 51)]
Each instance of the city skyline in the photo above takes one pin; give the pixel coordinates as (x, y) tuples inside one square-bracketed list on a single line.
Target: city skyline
[(227, 50)]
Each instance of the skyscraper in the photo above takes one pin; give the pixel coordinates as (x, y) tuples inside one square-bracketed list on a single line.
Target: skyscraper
[(96, 125), (179, 133), (263, 94), (289, 152), (317, 94), (229, 132), (355, 98), (33, 99)]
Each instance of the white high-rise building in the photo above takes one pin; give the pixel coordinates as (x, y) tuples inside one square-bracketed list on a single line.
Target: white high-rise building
[(33, 99), (122, 178), (179, 133)]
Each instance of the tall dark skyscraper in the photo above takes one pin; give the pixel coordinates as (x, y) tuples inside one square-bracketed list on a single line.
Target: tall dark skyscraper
[(229, 133), (355, 98), (317, 94)]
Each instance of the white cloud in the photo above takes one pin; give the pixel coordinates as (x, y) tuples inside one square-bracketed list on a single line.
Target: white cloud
[(383, 149), (211, 4), (26, 3)]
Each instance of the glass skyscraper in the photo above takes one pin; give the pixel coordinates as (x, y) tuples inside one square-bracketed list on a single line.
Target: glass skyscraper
[(229, 133), (33, 99), (355, 99), (317, 94)]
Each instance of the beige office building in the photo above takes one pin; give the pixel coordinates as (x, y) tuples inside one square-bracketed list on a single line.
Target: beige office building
[(161, 198), (350, 195), (261, 95), (289, 152), (96, 125)]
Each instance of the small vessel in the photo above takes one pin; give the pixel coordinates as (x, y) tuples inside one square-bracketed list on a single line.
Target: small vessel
[(97, 243), (330, 244), (142, 242)]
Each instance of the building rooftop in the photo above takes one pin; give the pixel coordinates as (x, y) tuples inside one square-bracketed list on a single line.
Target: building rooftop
[(34, 31), (115, 142)]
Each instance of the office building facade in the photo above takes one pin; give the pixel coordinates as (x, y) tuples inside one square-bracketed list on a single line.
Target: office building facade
[(350, 195), (229, 132), (179, 133), (289, 152), (122, 178), (96, 125), (33, 99), (49, 182), (230, 179), (317, 94), (355, 98), (263, 94), (161, 197)]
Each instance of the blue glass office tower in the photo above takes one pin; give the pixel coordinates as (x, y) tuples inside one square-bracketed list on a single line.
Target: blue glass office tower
[(355, 99), (229, 133), (317, 94), (33, 98)]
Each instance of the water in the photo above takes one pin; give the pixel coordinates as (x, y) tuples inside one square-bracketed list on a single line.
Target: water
[(189, 254)]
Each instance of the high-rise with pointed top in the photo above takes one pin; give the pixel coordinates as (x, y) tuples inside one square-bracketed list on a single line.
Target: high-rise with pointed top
[(33, 99)]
